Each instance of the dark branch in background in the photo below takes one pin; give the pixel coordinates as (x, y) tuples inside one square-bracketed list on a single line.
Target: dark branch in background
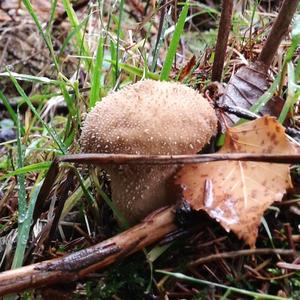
[(279, 29), (223, 34), (248, 115)]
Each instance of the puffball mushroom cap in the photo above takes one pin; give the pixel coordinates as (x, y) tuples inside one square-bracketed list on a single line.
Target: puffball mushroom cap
[(148, 117)]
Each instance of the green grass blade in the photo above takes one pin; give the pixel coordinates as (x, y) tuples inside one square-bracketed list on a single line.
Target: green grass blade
[(75, 197), (72, 33), (138, 71), (297, 69), (268, 231), (81, 43), (31, 78), (51, 131), (86, 192), (52, 16), (222, 286), (291, 99), (113, 55), (158, 44), (166, 69), (95, 94), (263, 100), (135, 70), (292, 96), (22, 206), (157, 251), (11, 111), (24, 228), (121, 8), (46, 38), (119, 216), (30, 168), (67, 97)]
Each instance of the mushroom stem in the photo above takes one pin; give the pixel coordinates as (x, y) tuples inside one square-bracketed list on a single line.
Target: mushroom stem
[(137, 190)]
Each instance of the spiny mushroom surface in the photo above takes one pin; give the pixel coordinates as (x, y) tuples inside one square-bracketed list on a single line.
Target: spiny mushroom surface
[(148, 117)]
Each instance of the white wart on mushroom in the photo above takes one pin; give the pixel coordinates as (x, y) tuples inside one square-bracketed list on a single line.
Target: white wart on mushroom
[(148, 117)]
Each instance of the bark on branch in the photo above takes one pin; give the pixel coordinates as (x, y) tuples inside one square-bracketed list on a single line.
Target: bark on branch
[(77, 265), (222, 40), (279, 29)]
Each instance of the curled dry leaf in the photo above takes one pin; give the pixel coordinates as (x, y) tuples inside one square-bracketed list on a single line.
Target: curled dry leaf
[(236, 193), (244, 89), (187, 68)]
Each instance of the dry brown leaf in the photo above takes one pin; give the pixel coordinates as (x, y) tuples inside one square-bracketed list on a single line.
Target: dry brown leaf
[(236, 193), (187, 68), (244, 89)]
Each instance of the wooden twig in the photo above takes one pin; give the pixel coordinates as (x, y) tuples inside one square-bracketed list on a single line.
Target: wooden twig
[(121, 159), (288, 266), (245, 252), (279, 29), (77, 265), (222, 40)]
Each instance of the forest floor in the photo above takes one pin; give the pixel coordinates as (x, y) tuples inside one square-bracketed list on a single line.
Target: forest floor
[(56, 61)]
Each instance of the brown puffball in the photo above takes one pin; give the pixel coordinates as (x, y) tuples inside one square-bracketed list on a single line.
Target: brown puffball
[(148, 117)]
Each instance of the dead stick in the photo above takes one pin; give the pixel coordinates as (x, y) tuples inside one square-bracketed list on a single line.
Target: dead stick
[(279, 29), (103, 159), (245, 252), (222, 40), (77, 265)]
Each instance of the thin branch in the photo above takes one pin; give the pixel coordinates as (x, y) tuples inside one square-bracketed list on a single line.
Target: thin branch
[(246, 252), (222, 40), (279, 29), (121, 159), (79, 264)]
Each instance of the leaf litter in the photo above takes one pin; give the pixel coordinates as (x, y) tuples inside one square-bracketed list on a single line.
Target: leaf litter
[(235, 193), (250, 82)]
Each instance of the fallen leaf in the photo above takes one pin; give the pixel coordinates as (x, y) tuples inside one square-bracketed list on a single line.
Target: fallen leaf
[(237, 193), (245, 87), (187, 68), (250, 82)]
